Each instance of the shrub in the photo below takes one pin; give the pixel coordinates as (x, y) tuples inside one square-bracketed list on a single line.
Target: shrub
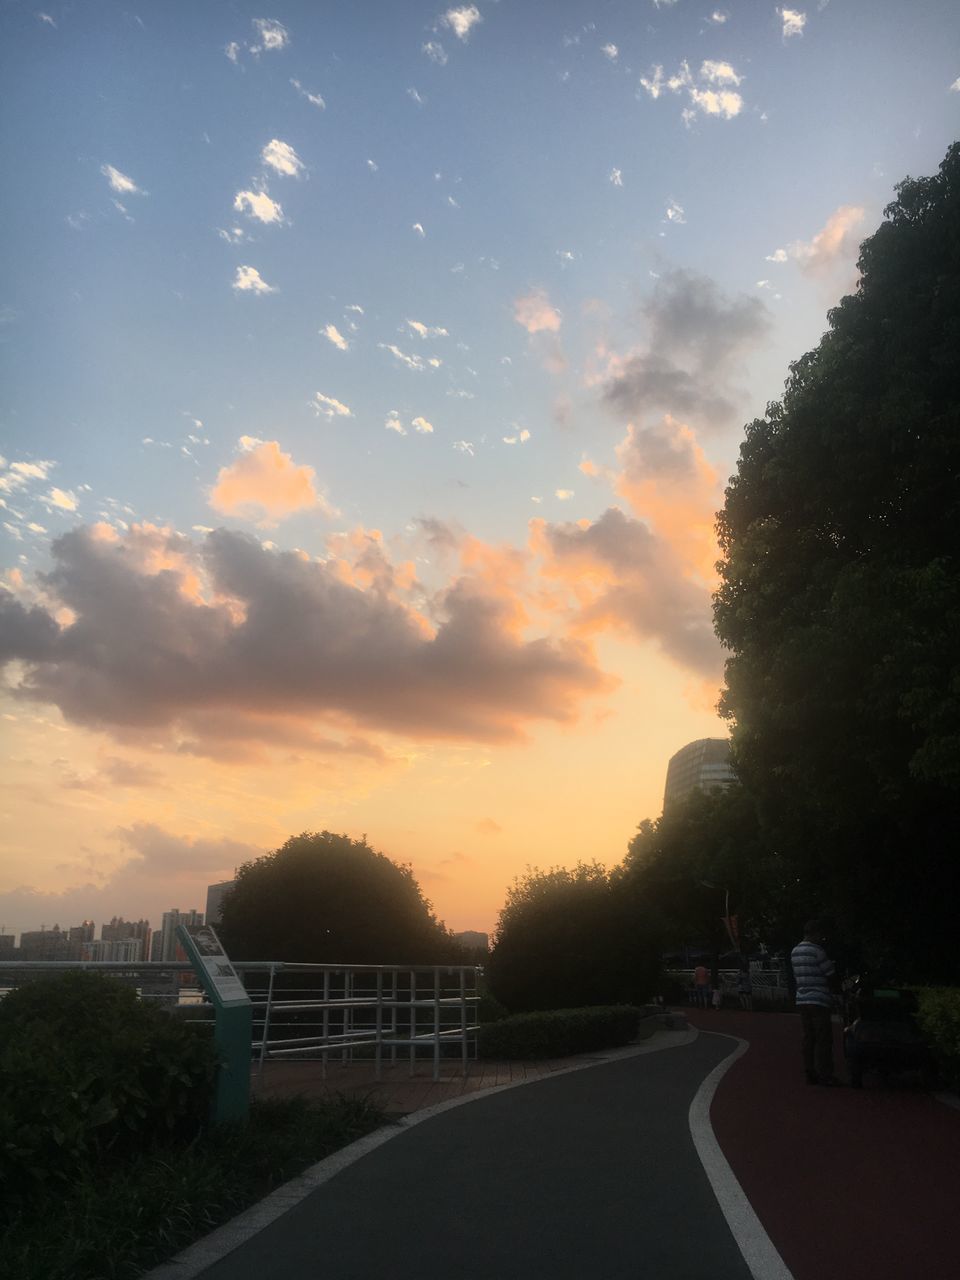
[(554, 1033), (939, 1018), (86, 1069)]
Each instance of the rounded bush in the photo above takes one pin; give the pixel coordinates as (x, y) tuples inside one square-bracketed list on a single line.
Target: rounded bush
[(86, 1068)]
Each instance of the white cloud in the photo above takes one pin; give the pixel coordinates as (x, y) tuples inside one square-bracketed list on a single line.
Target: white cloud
[(418, 228), (249, 443), (282, 157), (45, 17), (412, 362), (423, 426), (248, 280), (616, 177), (330, 408), (955, 87), (718, 17), (837, 241), (232, 235), (119, 181), (372, 166), (462, 21), (707, 92), (353, 306), (654, 85), (333, 334), (464, 446), (66, 501), (393, 423), (313, 98), (35, 528), (713, 103), (563, 494), (435, 52), (675, 212), (273, 36), (258, 205), (412, 93), (521, 438), (778, 255), (610, 51), (425, 330), (719, 73), (793, 22), (232, 50)]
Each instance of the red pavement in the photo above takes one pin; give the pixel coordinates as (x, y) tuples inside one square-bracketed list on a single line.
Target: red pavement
[(849, 1184)]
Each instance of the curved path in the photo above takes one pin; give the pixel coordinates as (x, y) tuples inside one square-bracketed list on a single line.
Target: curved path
[(588, 1173)]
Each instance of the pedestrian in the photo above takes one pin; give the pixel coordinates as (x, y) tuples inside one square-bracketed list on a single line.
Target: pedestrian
[(813, 971), (701, 985), (745, 987), (717, 999)]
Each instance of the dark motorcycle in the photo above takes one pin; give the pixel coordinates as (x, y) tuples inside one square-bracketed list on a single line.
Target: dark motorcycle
[(881, 1032)]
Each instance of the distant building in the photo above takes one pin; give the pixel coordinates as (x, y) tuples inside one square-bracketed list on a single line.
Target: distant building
[(6, 946), (120, 930), (215, 896), (702, 765), (473, 940), (164, 945), (126, 950)]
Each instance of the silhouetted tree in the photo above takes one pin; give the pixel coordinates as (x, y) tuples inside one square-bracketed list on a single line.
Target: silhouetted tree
[(568, 938), (840, 597), (325, 898)]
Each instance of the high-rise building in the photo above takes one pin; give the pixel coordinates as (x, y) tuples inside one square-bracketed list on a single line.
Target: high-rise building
[(166, 948), (215, 896), (127, 950), (702, 765), (119, 929)]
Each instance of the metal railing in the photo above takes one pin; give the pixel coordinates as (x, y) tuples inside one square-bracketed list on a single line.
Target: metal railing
[(347, 1013)]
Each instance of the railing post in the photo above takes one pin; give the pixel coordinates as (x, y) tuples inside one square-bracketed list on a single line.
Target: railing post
[(379, 1049), (463, 1020), (266, 1019), (413, 1020), (326, 1021), (436, 1022)]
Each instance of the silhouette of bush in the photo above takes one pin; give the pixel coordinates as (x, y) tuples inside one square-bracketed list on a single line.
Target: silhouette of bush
[(555, 1033), (88, 1070), (939, 1018)]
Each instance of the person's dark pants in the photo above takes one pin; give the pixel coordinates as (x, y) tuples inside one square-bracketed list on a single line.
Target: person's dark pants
[(817, 1040)]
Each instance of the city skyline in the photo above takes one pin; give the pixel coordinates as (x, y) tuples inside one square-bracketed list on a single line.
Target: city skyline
[(371, 384)]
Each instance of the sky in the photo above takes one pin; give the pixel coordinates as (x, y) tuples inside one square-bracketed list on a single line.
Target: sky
[(371, 378)]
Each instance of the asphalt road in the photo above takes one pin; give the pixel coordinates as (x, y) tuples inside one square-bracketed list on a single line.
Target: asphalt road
[(589, 1174)]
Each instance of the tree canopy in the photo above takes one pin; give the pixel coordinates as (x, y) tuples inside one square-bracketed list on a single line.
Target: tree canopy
[(325, 898), (567, 938), (840, 596)]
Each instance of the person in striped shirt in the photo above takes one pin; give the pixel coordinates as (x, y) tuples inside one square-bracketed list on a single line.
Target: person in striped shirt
[(813, 971)]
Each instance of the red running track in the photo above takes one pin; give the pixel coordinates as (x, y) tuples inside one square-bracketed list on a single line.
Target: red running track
[(849, 1184)]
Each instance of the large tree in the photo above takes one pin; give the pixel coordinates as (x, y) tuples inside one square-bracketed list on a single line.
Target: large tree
[(570, 937), (840, 597), (325, 898)]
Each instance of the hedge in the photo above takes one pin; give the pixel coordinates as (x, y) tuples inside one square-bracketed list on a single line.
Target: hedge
[(939, 1018), (555, 1033)]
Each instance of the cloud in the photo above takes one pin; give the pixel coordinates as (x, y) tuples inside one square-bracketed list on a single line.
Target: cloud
[(173, 641), (232, 50), (778, 255), (258, 205), (415, 97), (955, 87), (435, 52), (248, 280), (65, 500), (281, 157), (417, 363), (425, 331), (718, 17), (675, 212), (15, 476), (313, 98), (610, 51), (838, 241), (709, 92), (418, 228), (423, 426), (616, 177), (329, 407), (464, 446), (793, 22), (273, 36), (333, 334), (393, 423), (119, 181), (462, 21), (45, 17), (264, 484), (623, 576), (534, 312), (697, 340)]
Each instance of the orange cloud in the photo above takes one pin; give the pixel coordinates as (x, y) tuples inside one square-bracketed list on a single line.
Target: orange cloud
[(265, 484), (535, 313)]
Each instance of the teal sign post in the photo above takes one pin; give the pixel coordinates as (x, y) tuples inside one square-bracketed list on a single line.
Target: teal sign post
[(234, 1019)]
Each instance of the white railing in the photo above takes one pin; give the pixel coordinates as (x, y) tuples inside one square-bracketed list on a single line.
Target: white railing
[(347, 1013)]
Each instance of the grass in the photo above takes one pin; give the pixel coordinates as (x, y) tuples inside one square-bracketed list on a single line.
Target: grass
[(115, 1221)]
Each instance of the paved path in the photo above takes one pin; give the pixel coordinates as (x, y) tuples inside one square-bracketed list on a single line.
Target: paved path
[(588, 1174)]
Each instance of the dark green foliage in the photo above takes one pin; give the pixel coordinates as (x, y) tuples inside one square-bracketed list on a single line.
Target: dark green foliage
[(325, 898), (840, 600), (115, 1220), (555, 1033), (571, 937), (939, 1018), (87, 1071)]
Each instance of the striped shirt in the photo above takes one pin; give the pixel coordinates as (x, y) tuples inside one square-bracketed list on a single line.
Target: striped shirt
[(811, 969)]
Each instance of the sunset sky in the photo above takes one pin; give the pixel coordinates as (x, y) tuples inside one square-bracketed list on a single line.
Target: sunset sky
[(371, 377)]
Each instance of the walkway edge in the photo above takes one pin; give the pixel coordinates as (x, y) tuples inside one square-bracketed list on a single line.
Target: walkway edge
[(203, 1253), (759, 1252)]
